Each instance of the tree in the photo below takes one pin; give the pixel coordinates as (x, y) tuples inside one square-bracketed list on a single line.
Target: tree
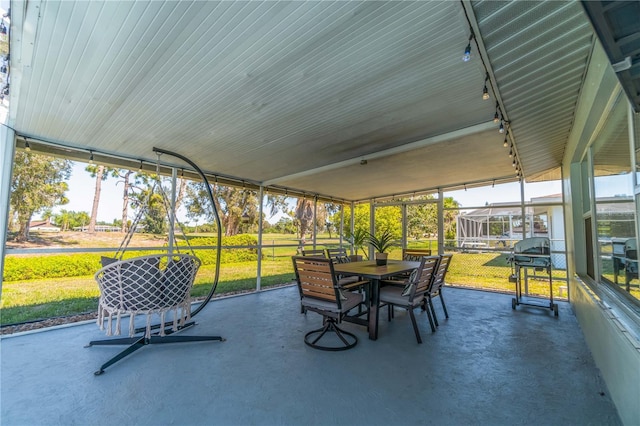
[(38, 183), (422, 218), (125, 175), (233, 205), (303, 216), (97, 172), (68, 219)]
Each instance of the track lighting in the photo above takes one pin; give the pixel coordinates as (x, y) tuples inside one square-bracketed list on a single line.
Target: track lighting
[(514, 162), (467, 51), (496, 117), (27, 147), (91, 158), (501, 128), (511, 153), (485, 90)]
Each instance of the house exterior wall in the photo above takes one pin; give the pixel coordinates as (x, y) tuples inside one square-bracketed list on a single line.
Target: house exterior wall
[(609, 328)]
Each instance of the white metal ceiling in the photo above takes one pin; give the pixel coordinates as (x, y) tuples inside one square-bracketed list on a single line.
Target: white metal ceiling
[(297, 93), (539, 52)]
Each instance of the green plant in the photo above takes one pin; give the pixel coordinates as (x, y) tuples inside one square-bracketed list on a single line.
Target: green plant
[(358, 239), (382, 242)]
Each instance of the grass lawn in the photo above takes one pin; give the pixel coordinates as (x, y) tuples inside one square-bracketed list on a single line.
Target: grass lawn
[(30, 300)]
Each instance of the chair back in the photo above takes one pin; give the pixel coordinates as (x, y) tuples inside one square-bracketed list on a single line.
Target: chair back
[(316, 278), (313, 253), (414, 255), (338, 255), (440, 273), (419, 282), (153, 284)]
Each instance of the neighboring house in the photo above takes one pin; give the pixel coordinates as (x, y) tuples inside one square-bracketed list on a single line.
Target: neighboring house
[(43, 226), (499, 225), (99, 228)]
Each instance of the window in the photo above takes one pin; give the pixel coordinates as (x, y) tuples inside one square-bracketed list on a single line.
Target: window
[(615, 212)]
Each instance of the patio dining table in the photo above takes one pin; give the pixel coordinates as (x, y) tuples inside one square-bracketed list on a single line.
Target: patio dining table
[(369, 270)]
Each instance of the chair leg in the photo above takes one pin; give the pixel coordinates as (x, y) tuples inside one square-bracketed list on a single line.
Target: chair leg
[(349, 340), (444, 308), (433, 311), (430, 317), (138, 342), (415, 325)]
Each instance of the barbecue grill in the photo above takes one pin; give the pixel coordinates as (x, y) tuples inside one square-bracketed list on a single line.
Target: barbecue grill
[(531, 253), (625, 258)]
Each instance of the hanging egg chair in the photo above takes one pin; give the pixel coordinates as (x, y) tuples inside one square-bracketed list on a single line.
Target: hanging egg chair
[(154, 286)]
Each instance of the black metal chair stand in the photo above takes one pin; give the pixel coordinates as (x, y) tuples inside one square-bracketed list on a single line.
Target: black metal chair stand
[(136, 343), (349, 340)]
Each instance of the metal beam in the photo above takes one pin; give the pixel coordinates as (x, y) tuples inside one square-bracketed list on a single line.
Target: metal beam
[(388, 152)]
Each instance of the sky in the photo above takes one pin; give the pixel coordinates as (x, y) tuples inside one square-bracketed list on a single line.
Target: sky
[(82, 187)]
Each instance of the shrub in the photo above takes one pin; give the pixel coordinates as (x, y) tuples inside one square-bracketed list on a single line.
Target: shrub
[(20, 268)]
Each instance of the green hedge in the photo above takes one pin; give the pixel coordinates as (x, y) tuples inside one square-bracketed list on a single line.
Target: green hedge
[(20, 268)]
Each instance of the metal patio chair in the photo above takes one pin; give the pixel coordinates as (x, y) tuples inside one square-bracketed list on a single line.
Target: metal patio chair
[(321, 294), (414, 292), (437, 283)]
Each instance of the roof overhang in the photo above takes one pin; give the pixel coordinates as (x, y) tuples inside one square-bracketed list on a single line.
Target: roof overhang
[(299, 95)]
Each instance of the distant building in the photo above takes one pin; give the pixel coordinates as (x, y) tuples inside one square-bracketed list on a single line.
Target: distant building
[(499, 225), (43, 226)]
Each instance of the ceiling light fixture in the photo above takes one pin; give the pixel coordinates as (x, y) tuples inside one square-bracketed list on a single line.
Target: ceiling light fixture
[(27, 147), (506, 141), (511, 153), (496, 117), (501, 128), (467, 50), (485, 90), (91, 158)]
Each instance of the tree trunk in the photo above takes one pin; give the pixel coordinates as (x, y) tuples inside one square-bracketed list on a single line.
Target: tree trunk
[(231, 228), (125, 202), (182, 187), (96, 200), (23, 231), (304, 214)]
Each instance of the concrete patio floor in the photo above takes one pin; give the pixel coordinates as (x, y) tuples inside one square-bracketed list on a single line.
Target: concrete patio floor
[(486, 365)]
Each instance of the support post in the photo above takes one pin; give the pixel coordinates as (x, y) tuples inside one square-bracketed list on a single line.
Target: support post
[(172, 209), (7, 152), (260, 209), (440, 221), (403, 206), (354, 249), (341, 223), (372, 224)]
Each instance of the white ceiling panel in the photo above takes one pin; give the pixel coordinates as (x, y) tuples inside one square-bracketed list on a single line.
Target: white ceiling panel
[(267, 91)]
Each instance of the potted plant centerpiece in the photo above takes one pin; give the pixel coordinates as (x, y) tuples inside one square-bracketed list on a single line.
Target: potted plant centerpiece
[(381, 244), (359, 240)]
